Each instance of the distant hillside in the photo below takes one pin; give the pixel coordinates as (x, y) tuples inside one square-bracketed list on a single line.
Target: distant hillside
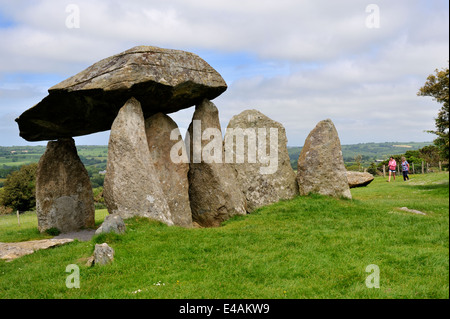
[(370, 152), (94, 156)]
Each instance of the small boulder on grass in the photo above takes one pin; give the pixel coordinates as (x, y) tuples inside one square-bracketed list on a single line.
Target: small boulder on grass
[(112, 224), (103, 254), (359, 179)]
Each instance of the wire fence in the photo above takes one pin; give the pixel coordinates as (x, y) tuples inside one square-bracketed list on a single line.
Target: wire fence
[(18, 220), (21, 220), (415, 168)]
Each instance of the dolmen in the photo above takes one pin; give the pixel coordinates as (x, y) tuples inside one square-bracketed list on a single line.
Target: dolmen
[(152, 172), (131, 94)]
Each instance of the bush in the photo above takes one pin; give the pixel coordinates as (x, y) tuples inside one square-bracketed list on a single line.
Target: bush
[(53, 231), (372, 169), (19, 191), (5, 210), (99, 201)]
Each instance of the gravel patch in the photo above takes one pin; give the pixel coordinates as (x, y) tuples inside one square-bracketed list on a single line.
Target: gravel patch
[(82, 235)]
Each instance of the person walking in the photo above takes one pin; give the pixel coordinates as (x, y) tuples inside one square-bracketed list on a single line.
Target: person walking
[(392, 165), (405, 169)]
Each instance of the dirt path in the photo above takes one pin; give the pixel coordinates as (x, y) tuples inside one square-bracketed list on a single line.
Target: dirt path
[(82, 235)]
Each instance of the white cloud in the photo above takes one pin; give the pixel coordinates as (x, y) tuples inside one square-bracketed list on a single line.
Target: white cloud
[(297, 61), (292, 30)]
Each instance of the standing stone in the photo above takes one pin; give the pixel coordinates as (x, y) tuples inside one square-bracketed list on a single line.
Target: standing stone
[(169, 157), (213, 189), (320, 166), (131, 186), (64, 198), (256, 147)]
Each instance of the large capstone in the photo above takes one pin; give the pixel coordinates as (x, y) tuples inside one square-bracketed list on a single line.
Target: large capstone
[(64, 198), (163, 80), (169, 158), (320, 167), (255, 145), (131, 186), (213, 188)]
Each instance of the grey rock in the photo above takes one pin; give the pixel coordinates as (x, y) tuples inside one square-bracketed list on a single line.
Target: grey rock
[(11, 251), (90, 261), (163, 80), (320, 167), (262, 182), (112, 224), (359, 179), (103, 254), (64, 198), (131, 186), (213, 190), (172, 172), (414, 211)]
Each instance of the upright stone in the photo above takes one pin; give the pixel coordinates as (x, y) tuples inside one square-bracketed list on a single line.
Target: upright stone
[(169, 157), (64, 198), (131, 186), (256, 147), (213, 189), (320, 167)]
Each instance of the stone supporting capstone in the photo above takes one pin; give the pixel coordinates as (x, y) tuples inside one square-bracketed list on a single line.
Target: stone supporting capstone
[(64, 198), (213, 190), (131, 186), (170, 162)]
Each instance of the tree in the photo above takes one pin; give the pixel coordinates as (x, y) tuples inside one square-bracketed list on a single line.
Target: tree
[(372, 169), (430, 154), (437, 86), (19, 190)]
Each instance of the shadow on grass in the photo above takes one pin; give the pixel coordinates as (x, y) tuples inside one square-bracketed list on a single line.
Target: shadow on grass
[(437, 186)]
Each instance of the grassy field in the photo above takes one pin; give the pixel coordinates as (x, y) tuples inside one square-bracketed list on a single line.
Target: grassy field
[(308, 247), (13, 229)]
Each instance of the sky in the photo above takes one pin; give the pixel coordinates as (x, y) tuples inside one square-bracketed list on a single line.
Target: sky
[(358, 63)]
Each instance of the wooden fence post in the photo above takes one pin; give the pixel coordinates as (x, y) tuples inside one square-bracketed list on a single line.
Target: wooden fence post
[(384, 170), (423, 169), (18, 218), (413, 168), (440, 167)]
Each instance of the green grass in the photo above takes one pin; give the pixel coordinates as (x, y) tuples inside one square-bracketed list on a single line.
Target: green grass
[(308, 247), (12, 231)]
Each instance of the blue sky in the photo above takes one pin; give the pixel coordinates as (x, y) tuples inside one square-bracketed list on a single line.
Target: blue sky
[(296, 61)]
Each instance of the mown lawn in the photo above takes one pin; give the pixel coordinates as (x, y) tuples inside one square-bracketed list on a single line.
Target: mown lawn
[(308, 247)]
